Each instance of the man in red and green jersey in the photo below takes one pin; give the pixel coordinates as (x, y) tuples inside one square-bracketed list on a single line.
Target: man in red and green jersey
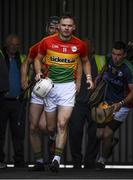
[(62, 52)]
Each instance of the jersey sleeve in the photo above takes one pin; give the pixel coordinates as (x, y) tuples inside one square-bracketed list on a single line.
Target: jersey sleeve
[(83, 50), (42, 47), (33, 51), (32, 54)]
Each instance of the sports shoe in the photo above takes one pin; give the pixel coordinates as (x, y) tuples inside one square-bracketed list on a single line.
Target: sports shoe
[(89, 165), (77, 166), (38, 167), (54, 166), (2, 165)]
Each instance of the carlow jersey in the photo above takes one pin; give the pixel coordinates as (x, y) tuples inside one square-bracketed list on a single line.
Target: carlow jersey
[(33, 51), (61, 57)]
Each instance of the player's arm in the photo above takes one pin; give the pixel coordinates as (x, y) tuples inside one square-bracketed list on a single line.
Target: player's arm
[(38, 66), (87, 71), (128, 99)]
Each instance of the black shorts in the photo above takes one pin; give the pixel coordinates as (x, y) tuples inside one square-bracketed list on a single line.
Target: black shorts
[(114, 125)]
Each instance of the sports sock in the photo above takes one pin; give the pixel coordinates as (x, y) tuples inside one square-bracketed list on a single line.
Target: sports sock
[(58, 158), (58, 154)]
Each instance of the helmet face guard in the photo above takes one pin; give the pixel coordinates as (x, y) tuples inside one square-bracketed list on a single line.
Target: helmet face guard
[(43, 87), (52, 22)]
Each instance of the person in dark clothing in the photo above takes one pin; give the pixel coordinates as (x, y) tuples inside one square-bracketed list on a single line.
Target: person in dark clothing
[(118, 96), (81, 114), (62, 64), (11, 109)]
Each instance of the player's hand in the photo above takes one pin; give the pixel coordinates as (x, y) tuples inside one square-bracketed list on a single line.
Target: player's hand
[(38, 76), (91, 84), (89, 81), (116, 107)]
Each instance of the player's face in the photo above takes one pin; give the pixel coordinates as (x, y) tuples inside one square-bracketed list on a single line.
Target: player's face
[(52, 29), (118, 55), (13, 46), (66, 27)]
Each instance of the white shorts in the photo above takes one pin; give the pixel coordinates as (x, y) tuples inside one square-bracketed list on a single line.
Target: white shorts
[(122, 114), (36, 100), (62, 94)]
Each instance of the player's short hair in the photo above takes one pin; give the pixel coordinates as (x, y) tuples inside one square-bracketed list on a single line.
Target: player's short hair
[(120, 45), (68, 15)]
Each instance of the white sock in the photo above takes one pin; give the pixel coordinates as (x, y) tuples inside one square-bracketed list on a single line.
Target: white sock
[(57, 158)]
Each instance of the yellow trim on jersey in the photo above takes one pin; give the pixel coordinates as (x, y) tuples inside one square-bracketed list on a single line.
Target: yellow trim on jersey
[(61, 59), (62, 55)]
